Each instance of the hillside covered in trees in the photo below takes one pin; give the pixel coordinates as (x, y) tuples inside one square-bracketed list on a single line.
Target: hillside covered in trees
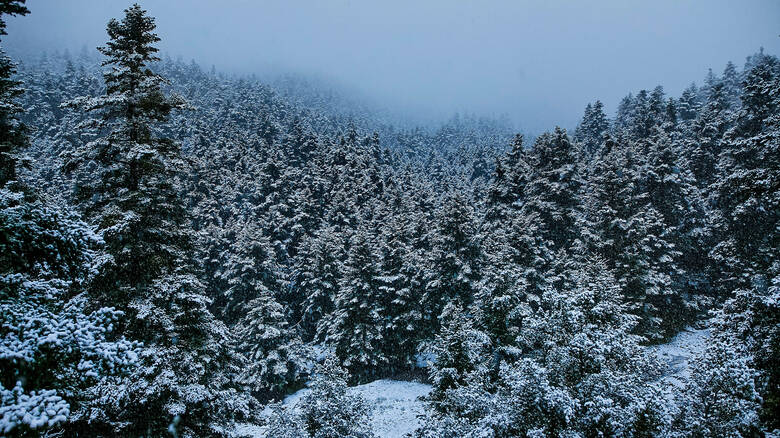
[(180, 249)]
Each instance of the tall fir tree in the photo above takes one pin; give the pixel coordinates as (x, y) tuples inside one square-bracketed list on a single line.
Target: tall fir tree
[(731, 81), (456, 259), (672, 191), (401, 316), (626, 230), (708, 129), (12, 132), (186, 377), (748, 196), (273, 349), (553, 193), (688, 105), (356, 327), (508, 185), (590, 132), (748, 188), (318, 275), (247, 271), (514, 278)]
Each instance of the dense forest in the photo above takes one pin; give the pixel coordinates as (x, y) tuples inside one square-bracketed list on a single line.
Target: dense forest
[(180, 249)]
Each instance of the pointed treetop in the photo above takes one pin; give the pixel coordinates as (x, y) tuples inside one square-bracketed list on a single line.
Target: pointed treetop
[(11, 7), (132, 39)]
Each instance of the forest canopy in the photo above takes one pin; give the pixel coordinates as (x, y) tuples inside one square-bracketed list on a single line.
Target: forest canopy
[(180, 249)]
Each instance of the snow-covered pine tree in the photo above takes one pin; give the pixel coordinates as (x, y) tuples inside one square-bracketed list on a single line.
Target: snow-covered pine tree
[(581, 372), (247, 270), (721, 397), (456, 259), (646, 268), (748, 188), (590, 132), (508, 185), (299, 144), (148, 271), (248, 305), (638, 115), (671, 117), (554, 191), (748, 328), (462, 355), (710, 81), (401, 320), (53, 346), (642, 120), (515, 252), (704, 144), (514, 277), (498, 195), (688, 104), (731, 82), (356, 328), (623, 116), (328, 411), (12, 132), (748, 196), (406, 313), (317, 276), (657, 106), (672, 191), (274, 350), (605, 200), (580, 131), (624, 228), (284, 424)]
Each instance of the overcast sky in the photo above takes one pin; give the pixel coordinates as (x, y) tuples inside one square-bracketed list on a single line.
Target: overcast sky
[(539, 62)]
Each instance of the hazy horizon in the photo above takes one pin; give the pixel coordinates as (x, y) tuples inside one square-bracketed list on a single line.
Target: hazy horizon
[(539, 64)]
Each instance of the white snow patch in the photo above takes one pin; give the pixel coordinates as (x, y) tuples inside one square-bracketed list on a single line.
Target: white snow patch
[(395, 404), (424, 359), (678, 353), (244, 430)]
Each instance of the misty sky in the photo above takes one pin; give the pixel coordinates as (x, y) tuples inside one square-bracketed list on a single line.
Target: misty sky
[(539, 62)]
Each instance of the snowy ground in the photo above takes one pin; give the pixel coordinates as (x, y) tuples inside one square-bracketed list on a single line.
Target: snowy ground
[(396, 405), (679, 351)]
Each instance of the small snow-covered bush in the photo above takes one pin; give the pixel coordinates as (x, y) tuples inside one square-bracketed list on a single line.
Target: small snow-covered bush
[(34, 410), (721, 398), (52, 347), (328, 411)]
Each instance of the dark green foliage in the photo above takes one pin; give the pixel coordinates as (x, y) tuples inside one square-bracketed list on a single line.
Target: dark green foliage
[(274, 351), (748, 189), (267, 218), (591, 130), (12, 132), (53, 348), (553, 192), (456, 259), (356, 328), (328, 411), (136, 203)]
